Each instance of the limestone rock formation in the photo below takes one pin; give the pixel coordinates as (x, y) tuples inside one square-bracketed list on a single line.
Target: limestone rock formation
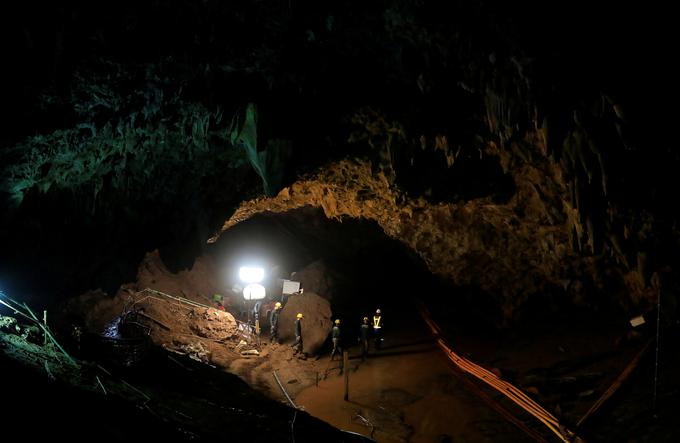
[(513, 251)]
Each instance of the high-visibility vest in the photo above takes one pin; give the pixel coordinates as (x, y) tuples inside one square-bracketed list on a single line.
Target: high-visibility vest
[(377, 322)]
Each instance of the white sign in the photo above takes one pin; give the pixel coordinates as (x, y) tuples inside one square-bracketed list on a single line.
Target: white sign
[(290, 287), (254, 291)]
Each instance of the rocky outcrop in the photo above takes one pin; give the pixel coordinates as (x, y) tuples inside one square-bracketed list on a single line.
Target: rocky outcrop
[(559, 235), (510, 250)]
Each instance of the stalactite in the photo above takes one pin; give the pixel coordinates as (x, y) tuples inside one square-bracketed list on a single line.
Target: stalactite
[(603, 174), (582, 155), (590, 229), (643, 267), (617, 246), (547, 140), (577, 195)]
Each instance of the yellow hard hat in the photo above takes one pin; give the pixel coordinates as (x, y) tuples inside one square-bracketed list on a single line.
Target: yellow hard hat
[(277, 305), (299, 316), (337, 321)]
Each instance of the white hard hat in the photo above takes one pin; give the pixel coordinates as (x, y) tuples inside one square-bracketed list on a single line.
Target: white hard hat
[(377, 311)]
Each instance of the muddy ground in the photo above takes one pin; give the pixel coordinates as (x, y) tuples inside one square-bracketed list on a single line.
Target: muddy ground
[(405, 392)]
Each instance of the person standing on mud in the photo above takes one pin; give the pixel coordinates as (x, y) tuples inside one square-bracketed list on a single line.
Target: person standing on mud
[(274, 323), (335, 336), (298, 334), (364, 337), (377, 329)]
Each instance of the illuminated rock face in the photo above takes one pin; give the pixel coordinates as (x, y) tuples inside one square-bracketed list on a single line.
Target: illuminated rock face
[(514, 251)]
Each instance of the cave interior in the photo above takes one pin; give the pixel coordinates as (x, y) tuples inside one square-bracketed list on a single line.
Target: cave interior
[(510, 168)]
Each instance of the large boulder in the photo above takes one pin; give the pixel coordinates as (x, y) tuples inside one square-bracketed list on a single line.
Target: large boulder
[(316, 324)]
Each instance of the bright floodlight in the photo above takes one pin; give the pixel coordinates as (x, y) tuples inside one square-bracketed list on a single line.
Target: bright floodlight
[(251, 275), (253, 291)]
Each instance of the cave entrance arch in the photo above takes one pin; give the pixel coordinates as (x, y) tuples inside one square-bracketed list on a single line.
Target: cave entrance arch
[(352, 263)]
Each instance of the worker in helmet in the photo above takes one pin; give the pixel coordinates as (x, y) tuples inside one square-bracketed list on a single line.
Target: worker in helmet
[(377, 329), (365, 333), (298, 334), (274, 323), (335, 335)]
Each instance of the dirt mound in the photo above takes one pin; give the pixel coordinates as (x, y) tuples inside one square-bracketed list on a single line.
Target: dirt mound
[(316, 324), (176, 309), (198, 284), (176, 318), (204, 334), (95, 310)]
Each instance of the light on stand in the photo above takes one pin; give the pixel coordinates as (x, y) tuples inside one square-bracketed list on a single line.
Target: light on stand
[(254, 291), (251, 275)]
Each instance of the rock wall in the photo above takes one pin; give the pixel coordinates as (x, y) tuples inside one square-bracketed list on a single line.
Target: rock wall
[(513, 251)]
